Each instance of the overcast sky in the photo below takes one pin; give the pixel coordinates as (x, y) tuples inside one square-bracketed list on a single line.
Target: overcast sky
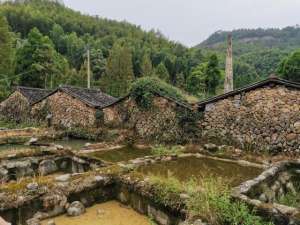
[(192, 21)]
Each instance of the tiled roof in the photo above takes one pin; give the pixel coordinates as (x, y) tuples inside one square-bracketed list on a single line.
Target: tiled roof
[(271, 80), (91, 97), (32, 94)]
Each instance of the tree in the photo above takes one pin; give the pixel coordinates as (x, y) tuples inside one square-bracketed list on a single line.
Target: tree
[(162, 72), (6, 57), (290, 67), (196, 81), (119, 71), (146, 67), (98, 63), (244, 74), (213, 74), (44, 67)]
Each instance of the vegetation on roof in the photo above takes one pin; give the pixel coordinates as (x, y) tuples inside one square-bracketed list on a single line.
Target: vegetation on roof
[(144, 89)]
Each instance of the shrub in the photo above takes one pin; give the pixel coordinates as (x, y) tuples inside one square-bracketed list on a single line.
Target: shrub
[(212, 202), (167, 191), (144, 90)]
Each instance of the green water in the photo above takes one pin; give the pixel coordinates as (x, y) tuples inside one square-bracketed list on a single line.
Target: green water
[(191, 167), (119, 155)]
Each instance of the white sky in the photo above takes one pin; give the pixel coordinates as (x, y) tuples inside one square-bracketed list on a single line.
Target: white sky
[(192, 21)]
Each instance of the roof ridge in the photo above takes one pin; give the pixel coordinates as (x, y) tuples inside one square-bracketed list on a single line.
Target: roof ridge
[(249, 88)]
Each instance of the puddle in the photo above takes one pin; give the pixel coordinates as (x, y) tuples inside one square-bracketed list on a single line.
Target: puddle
[(109, 213), (186, 168), (119, 155)]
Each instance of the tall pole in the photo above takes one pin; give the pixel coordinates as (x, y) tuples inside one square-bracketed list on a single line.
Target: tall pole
[(228, 83), (88, 69)]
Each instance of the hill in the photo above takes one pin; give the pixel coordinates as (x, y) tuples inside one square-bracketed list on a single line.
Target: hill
[(256, 51)]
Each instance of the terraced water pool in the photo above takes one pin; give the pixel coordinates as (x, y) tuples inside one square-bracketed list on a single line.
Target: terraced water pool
[(109, 213), (187, 168)]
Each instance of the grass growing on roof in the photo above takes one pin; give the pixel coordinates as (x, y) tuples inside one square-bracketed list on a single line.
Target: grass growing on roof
[(144, 90)]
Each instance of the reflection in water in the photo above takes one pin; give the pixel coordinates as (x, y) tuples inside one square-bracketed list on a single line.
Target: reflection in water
[(123, 154), (109, 213), (186, 168)]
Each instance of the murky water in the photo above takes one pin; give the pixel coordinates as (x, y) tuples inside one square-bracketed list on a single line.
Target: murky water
[(191, 167), (123, 154), (109, 213), (74, 144)]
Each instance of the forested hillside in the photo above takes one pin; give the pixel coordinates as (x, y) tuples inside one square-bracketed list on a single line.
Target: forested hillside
[(45, 44), (257, 52)]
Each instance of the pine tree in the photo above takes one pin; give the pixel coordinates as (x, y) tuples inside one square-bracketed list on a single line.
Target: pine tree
[(213, 74), (119, 71), (146, 67), (162, 72), (6, 57)]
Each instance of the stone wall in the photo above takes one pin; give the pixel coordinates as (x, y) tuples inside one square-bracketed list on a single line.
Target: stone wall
[(66, 111), (16, 107), (266, 118), (160, 123)]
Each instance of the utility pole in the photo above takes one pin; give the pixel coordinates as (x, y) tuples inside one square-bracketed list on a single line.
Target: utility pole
[(88, 68), (228, 83)]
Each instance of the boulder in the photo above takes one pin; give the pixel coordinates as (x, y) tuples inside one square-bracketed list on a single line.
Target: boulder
[(75, 209), (211, 147), (33, 221), (63, 178), (32, 141), (51, 222), (32, 186), (47, 167)]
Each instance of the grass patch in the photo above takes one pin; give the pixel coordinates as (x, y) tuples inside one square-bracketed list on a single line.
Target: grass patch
[(9, 124), (209, 199), (161, 150)]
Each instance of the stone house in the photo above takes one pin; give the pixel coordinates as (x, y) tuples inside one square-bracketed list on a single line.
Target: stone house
[(70, 107), (18, 105), (261, 116), (162, 123)]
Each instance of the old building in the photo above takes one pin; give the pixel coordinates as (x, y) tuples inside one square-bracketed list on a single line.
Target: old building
[(163, 122), (69, 106), (18, 105), (262, 116)]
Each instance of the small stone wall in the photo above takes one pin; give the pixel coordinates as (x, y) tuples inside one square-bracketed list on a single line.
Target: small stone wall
[(266, 118), (160, 123), (263, 192), (66, 111), (14, 169), (16, 107), (19, 136)]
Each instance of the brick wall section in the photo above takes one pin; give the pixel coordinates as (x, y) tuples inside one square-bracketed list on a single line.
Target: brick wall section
[(267, 118), (66, 111), (16, 107)]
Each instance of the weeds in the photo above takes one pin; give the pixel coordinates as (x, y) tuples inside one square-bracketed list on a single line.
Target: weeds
[(161, 150)]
